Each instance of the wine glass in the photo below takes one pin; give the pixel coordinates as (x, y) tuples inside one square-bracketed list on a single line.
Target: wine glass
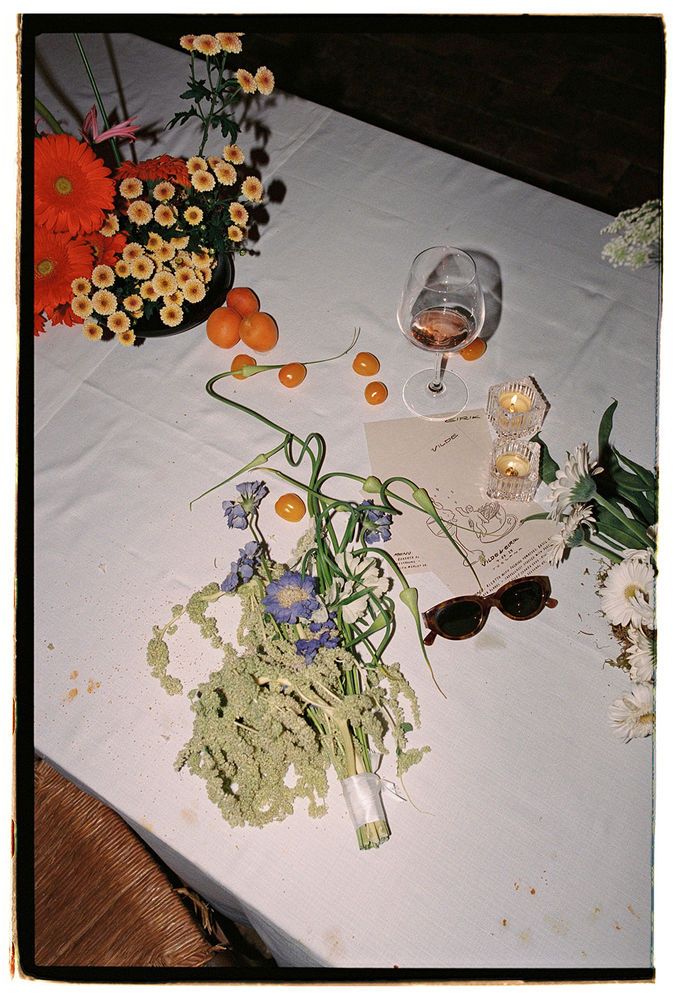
[(441, 310)]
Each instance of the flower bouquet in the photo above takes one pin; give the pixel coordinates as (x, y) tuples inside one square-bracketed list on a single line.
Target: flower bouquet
[(309, 688), (637, 236), (132, 253), (609, 505)]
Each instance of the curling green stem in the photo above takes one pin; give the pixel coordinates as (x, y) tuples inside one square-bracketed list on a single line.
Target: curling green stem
[(48, 116), (97, 97)]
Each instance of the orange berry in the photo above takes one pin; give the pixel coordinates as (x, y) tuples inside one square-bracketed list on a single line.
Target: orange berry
[(222, 327), (290, 507), (365, 364), (292, 375), (474, 350), (240, 361), (375, 393), (244, 300), (259, 331)]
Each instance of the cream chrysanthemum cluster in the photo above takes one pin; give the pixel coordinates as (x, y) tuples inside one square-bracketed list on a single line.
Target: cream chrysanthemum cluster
[(170, 236)]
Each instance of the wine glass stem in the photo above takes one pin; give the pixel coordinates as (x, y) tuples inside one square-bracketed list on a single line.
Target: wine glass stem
[(436, 385)]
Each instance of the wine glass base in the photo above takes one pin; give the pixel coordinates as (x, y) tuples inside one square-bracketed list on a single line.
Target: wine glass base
[(430, 404)]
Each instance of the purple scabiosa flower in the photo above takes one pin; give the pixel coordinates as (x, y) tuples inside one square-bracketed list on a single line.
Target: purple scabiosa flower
[(376, 524), (238, 511), (325, 634), (243, 569), (291, 597)]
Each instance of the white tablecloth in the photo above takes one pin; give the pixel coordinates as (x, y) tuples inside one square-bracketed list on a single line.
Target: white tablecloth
[(531, 843)]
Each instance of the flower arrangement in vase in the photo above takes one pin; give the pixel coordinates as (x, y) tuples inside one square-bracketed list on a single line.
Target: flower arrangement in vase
[(146, 250)]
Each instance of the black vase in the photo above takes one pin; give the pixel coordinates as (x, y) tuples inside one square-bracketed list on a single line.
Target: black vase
[(221, 281)]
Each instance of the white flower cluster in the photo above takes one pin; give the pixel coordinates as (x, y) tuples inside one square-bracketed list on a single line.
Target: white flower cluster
[(639, 236)]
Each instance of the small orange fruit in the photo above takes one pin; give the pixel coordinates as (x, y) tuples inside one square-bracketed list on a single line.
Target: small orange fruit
[(365, 363), (292, 375), (259, 331), (290, 507), (222, 327), (240, 361), (375, 393), (474, 350), (244, 300)]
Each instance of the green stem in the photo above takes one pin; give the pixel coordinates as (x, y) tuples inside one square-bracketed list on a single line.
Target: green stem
[(97, 96), (602, 551), (48, 116)]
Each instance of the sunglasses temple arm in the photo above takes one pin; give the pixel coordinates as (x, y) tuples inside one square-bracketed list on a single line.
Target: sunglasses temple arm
[(430, 639)]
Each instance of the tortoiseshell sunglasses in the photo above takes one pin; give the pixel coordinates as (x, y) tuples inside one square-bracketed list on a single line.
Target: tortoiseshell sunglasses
[(463, 617)]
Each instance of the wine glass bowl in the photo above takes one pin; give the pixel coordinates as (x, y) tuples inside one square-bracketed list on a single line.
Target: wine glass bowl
[(441, 310)]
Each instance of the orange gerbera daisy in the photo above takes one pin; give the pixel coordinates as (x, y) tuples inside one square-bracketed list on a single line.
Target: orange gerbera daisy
[(160, 168), (64, 315), (106, 249), (73, 187), (38, 324), (58, 260)]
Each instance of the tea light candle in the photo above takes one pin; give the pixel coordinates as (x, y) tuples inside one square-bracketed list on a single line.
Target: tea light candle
[(515, 402), (512, 464)]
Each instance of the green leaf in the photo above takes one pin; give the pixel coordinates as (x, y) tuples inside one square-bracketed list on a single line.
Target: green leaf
[(406, 727), (535, 517), (549, 467), (605, 428), (648, 478), (609, 525)]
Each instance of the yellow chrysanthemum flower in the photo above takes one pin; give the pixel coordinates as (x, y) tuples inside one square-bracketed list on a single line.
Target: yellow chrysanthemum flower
[(202, 259), (163, 191), (80, 286), (131, 187), (182, 260), (203, 180), (164, 282), (264, 78), (246, 81), (171, 315), (194, 290), (208, 45), (132, 303), (251, 189), (187, 42), (139, 212), (148, 291), (175, 298), (104, 302), (229, 41), (91, 330), (184, 274), (142, 268), (164, 215), (193, 215), (118, 322), (179, 242), (126, 337), (225, 173), (110, 226), (122, 269), (164, 253), (82, 306), (205, 274), (154, 241), (213, 161), (238, 213), (196, 163), (103, 276), (235, 234), (132, 251), (233, 153)]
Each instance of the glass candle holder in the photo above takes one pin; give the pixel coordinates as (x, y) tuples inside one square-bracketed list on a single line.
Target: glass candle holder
[(516, 409), (513, 470)]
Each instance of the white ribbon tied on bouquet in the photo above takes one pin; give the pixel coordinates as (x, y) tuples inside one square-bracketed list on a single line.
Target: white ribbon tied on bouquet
[(362, 794)]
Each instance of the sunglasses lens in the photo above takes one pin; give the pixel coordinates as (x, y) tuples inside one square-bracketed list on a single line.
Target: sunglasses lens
[(460, 619), (523, 599)]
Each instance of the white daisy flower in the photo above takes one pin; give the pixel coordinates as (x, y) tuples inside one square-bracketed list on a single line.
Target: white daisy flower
[(571, 531), (641, 655), (574, 483), (364, 577), (633, 715), (627, 594)]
